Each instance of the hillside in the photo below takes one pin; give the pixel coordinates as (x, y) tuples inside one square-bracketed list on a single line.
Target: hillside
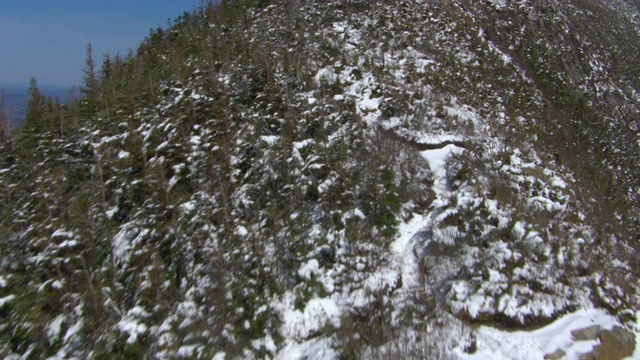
[(337, 179)]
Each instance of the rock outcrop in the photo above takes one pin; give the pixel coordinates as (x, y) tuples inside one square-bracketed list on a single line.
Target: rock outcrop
[(615, 344)]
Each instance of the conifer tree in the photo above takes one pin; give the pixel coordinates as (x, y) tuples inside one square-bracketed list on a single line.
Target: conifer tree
[(34, 118), (108, 91), (91, 88), (107, 68)]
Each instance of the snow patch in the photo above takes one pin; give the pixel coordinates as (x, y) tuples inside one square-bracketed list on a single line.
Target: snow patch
[(269, 139), (125, 240), (369, 105), (54, 328), (6, 300), (438, 163), (317, 313), (314, 349), (132, 324), (123, 155), (504, 345), (309, 269)]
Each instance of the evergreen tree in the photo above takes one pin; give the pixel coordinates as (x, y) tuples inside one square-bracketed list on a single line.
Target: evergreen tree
[(109, 85), (91, 88), (107, 68), (34, 118)]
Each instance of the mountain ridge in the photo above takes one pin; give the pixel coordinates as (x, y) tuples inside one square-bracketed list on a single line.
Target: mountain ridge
[(329, 179)]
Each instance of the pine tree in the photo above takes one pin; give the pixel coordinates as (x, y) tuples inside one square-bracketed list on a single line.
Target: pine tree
[(107, 68), (34, 118), (91, 88), (108, 91)]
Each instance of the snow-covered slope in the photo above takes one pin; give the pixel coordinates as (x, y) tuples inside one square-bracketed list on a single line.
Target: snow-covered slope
[(335, 179)]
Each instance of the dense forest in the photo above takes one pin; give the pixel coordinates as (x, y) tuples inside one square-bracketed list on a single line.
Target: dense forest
[(328, 179)]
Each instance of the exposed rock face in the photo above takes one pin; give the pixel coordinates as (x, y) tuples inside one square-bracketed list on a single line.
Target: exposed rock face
[(590, 333), (615, 344)]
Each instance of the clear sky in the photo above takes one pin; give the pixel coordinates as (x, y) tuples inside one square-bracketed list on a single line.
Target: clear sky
[(46, 39)]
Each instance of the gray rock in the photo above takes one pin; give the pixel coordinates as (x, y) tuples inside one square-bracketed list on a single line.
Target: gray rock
[(556, 355), (589, 333), (615, 344), (587, 356)]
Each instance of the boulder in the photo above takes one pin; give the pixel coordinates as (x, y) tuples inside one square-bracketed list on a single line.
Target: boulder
[(615, 344), (533, 16), (589, 333), (556, 355)]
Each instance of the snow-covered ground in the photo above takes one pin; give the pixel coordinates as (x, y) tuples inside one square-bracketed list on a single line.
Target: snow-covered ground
[(491, 343), (504, 345)]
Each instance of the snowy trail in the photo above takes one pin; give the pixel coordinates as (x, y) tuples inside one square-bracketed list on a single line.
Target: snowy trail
[(437, 161), (403, 247), (402, 250)]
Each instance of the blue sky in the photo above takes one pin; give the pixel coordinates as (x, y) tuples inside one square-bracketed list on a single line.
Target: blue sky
[(47, 38)]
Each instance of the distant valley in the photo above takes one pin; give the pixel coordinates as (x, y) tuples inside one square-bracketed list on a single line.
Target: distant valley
[(16, 96)]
